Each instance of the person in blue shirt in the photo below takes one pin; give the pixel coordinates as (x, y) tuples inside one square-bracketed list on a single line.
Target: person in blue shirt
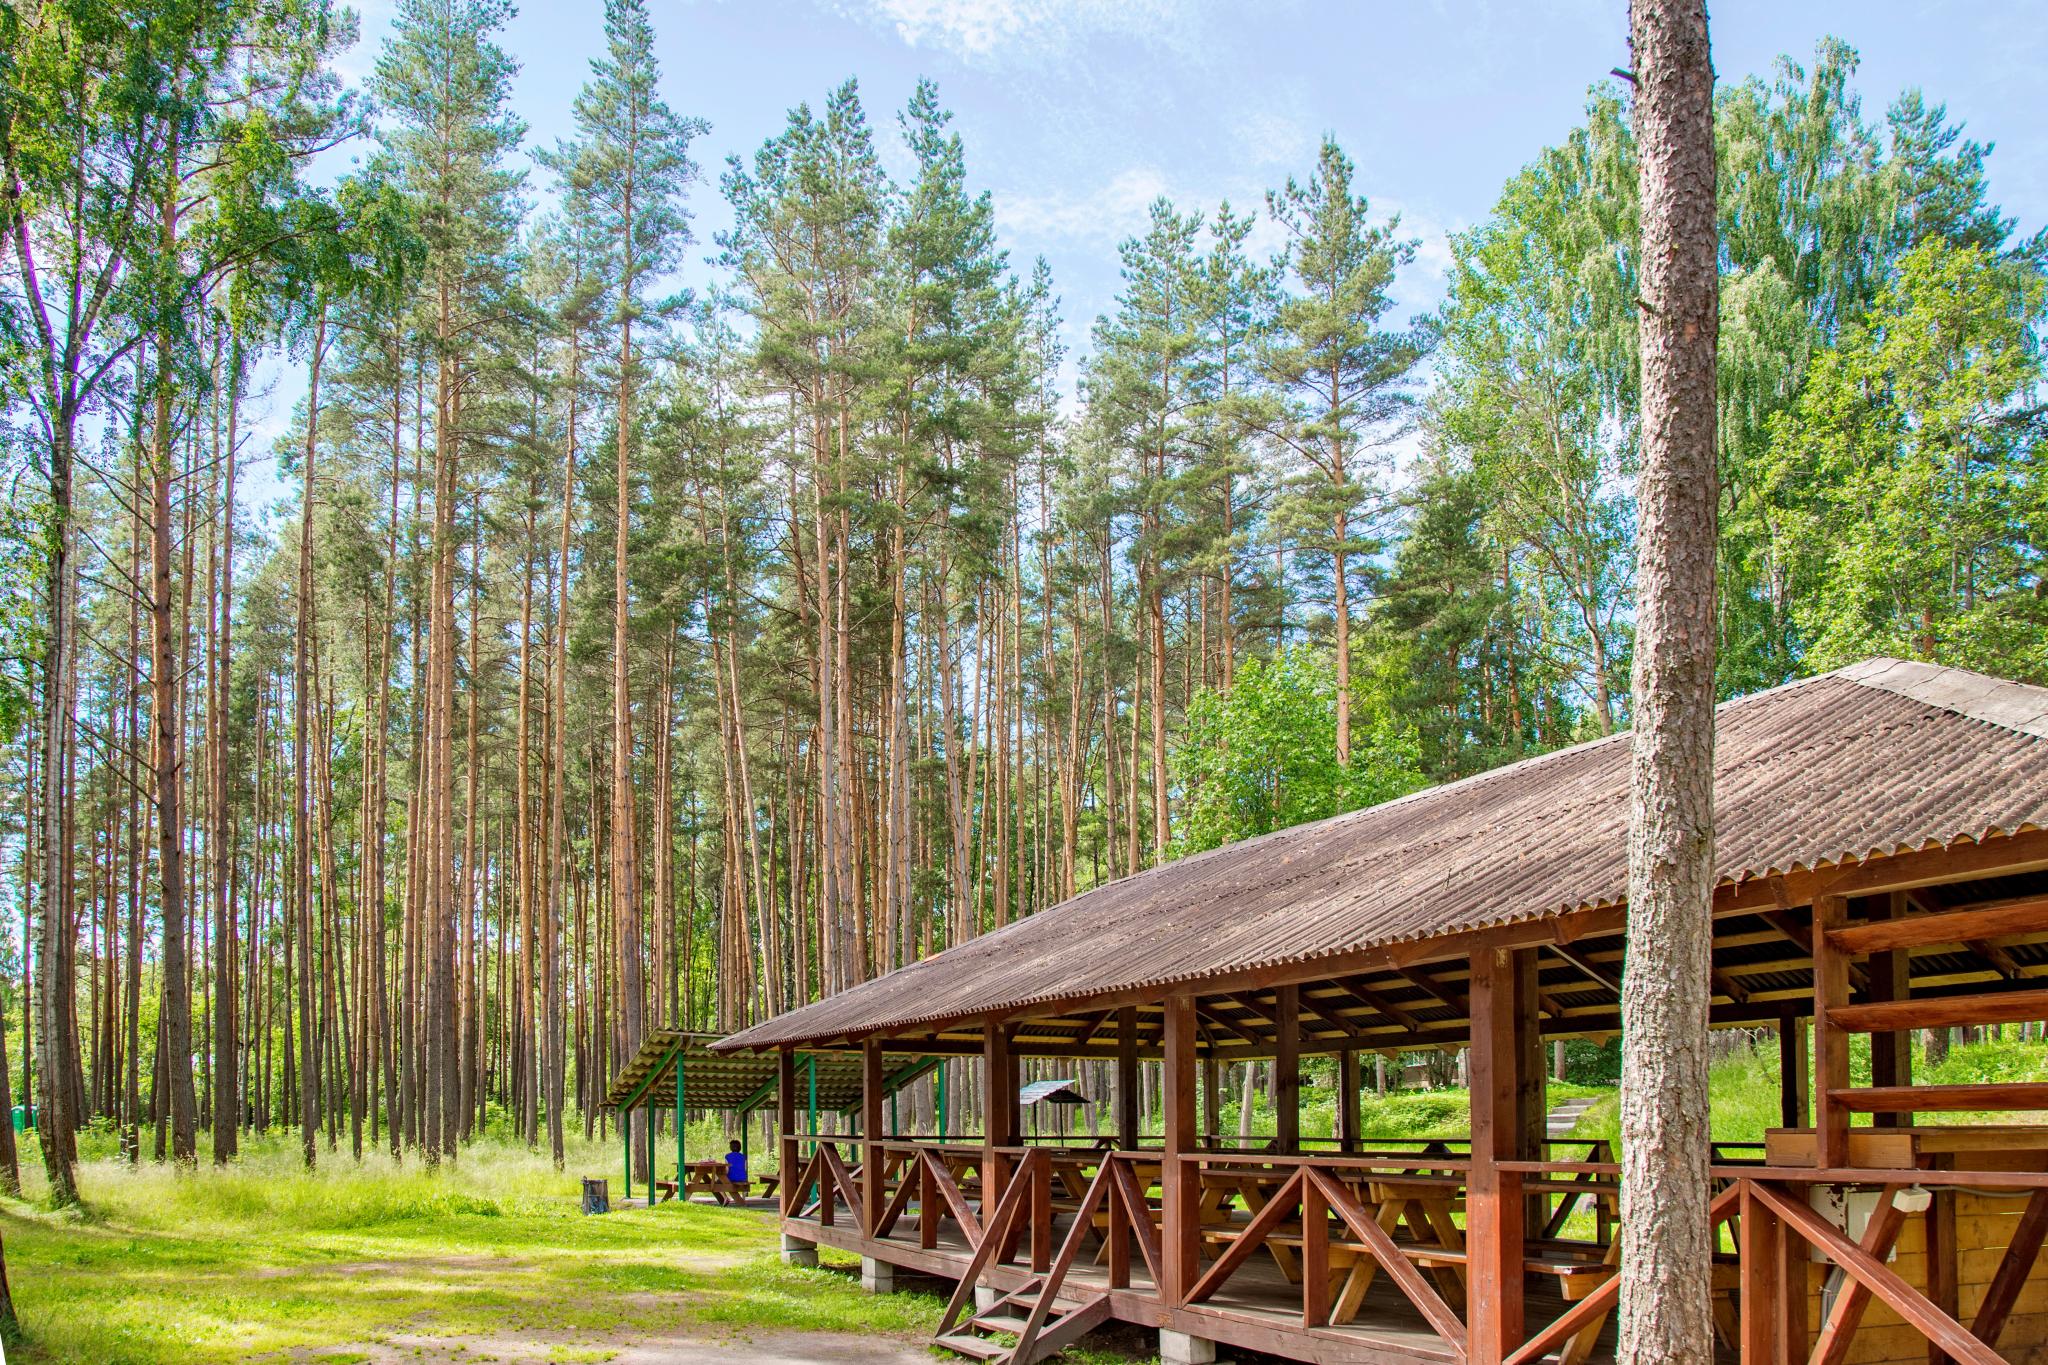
[(736, 1164)]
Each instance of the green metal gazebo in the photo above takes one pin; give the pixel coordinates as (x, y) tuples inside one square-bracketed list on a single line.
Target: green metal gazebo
[(674, 1067)]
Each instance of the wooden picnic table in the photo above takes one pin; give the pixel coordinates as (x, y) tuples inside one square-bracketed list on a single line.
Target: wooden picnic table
[(708, 1177)]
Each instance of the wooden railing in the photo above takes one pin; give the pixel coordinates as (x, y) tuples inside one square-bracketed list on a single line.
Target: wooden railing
[(1335, 1224)]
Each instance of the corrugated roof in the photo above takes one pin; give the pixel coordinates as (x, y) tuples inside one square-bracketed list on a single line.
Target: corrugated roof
[(1883, 757), (738, 1081)]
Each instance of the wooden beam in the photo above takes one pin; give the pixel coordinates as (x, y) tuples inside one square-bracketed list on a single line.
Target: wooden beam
[(1991, 1096), (1430, 987), (1792, 1072), (1592, 970), (1287, 1070), (1494, 1209), (1996, 958), (1324, 1011), (1374, 1000), (1347, 1101), (1944, 1011), (1127, 1078), (1830, 1034), (1993, 919), (1891, 978), (873, 1188), (1180, 1185), (785, 1126)]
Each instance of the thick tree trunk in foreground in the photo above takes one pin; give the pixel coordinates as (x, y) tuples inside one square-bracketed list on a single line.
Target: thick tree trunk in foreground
[(1666, 1244)]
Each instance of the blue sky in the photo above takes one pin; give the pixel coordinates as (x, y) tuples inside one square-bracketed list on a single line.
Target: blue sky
[(1076, 113)]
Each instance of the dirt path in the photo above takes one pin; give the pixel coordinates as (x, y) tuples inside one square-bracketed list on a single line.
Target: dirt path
[(707, 1345)]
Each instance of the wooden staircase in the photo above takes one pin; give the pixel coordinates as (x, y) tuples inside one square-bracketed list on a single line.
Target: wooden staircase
[(1026, 1326)]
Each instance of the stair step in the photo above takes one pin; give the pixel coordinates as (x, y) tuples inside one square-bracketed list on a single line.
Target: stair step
[(978, 1347), (1001, 1322)]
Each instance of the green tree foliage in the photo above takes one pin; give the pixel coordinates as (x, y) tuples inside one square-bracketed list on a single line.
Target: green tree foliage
[(1265, 756), (1908, 477)]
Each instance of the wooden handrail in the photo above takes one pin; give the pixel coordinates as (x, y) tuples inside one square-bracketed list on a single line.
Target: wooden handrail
[(1402, 1161), (1941, 1011)]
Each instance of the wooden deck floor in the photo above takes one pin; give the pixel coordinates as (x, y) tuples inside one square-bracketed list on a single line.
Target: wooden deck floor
[(1258, 1308)]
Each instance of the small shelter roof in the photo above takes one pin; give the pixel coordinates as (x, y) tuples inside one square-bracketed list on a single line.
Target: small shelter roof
[(713, 1080), (1050, 1092), (1881, 758)]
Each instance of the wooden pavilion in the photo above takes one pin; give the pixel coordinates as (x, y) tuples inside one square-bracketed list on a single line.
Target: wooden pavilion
[(1882, 848)]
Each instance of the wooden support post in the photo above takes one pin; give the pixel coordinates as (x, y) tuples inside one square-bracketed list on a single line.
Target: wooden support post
[(1830, 1043), (1793, 1111), (1180, 1181), (1762, 1294), (1127, 1078), (1942, 1288), (999, 1111), (785, 1128), (1494, 1209), (1287, 1069), (1212, 1098), (1347, 1101), (1890, 974), (1532, 1128), (874, 1190)]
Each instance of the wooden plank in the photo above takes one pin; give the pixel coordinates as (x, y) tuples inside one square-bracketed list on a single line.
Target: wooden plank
[(1905, 1099), (2013, 1270), (1995, 919), (1947, 1011), (1941, 1329)]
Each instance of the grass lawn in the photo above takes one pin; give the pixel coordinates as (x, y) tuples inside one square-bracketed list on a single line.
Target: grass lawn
[(265, 1262)]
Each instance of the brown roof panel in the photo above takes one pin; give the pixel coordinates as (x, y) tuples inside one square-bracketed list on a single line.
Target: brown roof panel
[(1880, 758)]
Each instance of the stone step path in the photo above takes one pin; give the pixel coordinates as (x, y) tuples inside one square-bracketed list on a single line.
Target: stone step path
[(1561, 1120)]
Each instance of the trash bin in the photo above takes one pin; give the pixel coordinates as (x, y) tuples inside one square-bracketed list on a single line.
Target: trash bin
[(597, 1195)]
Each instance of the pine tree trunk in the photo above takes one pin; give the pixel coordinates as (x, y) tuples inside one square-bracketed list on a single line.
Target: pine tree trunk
[(1667, 1246)]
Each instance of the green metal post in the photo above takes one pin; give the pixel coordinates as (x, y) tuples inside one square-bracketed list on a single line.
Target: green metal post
[(944, 1070), (679, 1125), (811, 1069), (626, 1142)]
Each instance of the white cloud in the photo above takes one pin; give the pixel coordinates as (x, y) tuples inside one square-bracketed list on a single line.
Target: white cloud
[(984, 28), (1110, 212)]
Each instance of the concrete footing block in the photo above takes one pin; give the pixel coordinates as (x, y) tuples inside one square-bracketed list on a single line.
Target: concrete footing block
[(1178, 1348), (877, 1277), (797, 1251)]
